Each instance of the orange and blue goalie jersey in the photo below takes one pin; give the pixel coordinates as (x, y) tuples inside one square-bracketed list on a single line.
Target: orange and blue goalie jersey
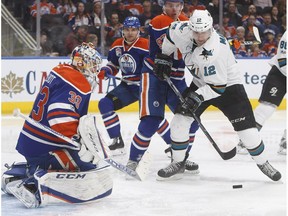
[(62, 100), (157, 31), (128, 58)]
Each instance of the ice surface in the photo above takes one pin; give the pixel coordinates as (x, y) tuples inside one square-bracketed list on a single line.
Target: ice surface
[(209, 193)]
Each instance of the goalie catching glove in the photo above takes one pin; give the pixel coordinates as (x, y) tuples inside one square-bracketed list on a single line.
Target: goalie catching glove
[(192, 101), (163, 65)]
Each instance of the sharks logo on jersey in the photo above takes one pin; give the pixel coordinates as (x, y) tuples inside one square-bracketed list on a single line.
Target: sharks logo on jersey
[(127, 63), (206, 53)]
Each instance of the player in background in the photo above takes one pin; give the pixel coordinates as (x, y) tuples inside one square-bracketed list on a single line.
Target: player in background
[(60, 105), (126, 54), (216, 81), (156, 93), (273, 92)]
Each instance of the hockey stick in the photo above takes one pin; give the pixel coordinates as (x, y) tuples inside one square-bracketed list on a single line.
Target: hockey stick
[(113, 163), (76, 145), (237, 43), (224, 155), (124, 80)]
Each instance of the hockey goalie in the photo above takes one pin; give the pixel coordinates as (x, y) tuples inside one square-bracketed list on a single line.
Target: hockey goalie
[(58, 171)]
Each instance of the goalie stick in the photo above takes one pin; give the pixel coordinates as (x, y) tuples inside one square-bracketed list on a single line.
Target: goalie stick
[(113, 163), (224, 155), (124, 80)]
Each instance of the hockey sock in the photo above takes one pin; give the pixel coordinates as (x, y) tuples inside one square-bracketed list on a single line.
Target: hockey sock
[(256, 153), (112, 124), (179, 150), (110, 118), (194, 127), (264, 111), (164, 131), (141, 140), (138, 146)]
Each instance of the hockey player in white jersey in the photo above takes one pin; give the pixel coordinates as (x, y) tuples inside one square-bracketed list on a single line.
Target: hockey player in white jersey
[(217, 82), (273, 92)]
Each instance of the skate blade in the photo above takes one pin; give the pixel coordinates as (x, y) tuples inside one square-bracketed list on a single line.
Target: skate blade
[(177, 176), (282, 152), (192, 172)]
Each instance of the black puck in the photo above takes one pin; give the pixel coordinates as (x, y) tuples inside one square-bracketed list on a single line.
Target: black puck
[(237, 186)]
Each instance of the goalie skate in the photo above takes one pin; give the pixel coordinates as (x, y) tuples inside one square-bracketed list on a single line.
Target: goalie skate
[(173, 171), (270, 171), (241, 149), (25, 193), (117, 147)]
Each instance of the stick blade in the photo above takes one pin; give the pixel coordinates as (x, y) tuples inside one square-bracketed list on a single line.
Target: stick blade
[(144, 166), (256, 34), (230, 154)]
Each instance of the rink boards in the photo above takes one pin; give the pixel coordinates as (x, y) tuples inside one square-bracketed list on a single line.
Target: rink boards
[(21, 79)]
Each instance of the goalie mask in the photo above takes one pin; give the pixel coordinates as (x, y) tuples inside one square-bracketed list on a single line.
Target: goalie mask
[(88, 61), (131, 29), (201, 23)]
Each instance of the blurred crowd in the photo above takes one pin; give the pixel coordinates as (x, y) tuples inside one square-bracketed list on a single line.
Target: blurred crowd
[(67, 23)]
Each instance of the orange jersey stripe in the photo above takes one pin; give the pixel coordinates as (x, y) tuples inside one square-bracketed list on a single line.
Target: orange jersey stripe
[(62, 113), (67, 129), (144, 95), (65, 159), (163, 127), (51, 138), (111, 121), (75, 77)]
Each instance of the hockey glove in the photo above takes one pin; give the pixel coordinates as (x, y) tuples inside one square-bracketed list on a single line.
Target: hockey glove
[(191, 104), (163, 65), (104, 72)]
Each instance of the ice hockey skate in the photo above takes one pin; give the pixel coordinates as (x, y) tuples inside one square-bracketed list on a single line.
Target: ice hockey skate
[(270, 171), (132, 165), (117, 147), (241, 149), (190, 166), (173, 171), (25, 193), (282, 146)]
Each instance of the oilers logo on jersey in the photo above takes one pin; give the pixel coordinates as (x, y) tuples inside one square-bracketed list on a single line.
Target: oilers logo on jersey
[(127, 63)]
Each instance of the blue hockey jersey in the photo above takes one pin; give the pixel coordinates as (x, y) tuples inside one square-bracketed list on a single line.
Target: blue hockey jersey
[(62, 100), (128, 58)]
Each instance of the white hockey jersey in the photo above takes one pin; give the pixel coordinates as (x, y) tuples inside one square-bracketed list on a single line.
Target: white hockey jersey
[(213, 64), (280, 59)]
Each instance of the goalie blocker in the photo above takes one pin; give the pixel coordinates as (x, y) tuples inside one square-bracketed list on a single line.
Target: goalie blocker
[(46, 187)]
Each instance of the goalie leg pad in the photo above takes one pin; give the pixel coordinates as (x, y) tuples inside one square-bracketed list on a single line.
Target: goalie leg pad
[(73, 187)]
